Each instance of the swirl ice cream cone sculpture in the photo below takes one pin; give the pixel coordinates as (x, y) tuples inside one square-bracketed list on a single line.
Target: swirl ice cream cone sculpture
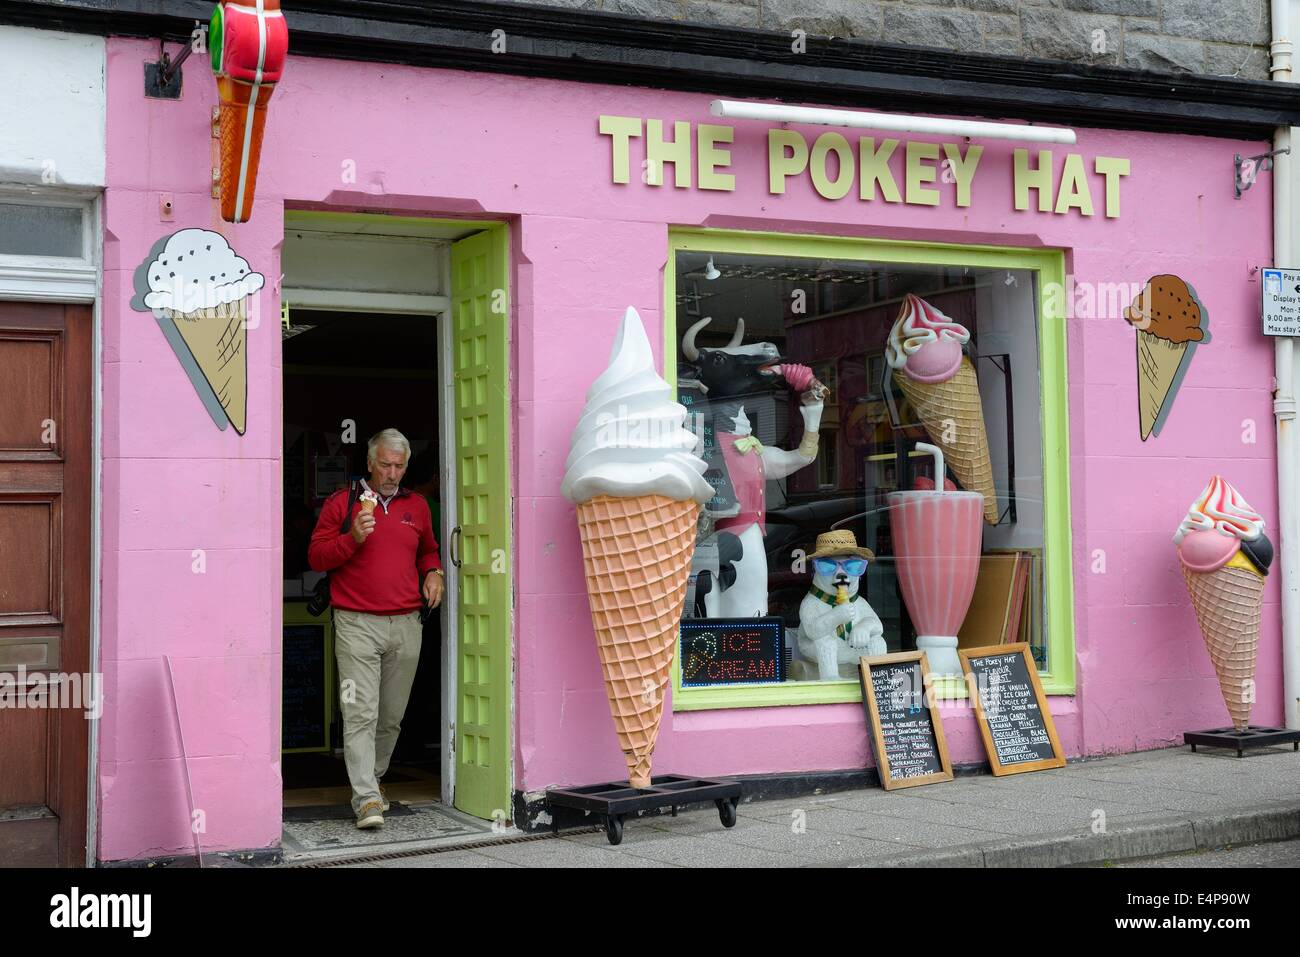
[(200, 285), (249, 42), (1225, 557), (925, 352), (638, 487)]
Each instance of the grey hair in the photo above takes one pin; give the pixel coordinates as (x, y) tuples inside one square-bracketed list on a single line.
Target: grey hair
[(389, 438)]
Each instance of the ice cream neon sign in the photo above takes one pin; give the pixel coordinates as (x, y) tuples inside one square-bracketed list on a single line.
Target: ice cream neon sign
[(882, 169)]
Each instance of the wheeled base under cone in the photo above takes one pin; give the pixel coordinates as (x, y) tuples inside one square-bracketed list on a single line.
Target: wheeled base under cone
[(617, 799), (1254, 736)]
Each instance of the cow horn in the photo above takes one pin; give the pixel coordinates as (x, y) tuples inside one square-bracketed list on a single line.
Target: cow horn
[(740, 334), (688, 343)]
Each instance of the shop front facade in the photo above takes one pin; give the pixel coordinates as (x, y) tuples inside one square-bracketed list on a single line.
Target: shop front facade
[(522, 216)]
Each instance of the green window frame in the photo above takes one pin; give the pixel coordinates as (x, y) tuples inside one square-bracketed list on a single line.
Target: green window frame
[(1049, 265)]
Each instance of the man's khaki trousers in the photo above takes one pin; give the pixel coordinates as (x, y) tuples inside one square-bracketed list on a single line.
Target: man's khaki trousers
[(377, 657)]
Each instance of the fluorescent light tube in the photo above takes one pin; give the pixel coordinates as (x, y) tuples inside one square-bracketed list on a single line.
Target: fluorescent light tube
[(892, 122)]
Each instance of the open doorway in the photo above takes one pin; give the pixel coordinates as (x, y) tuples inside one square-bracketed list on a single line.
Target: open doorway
[(347, 375), (402, 322)]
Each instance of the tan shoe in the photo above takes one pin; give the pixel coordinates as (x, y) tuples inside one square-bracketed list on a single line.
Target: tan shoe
[(383, 799), (371, 815)]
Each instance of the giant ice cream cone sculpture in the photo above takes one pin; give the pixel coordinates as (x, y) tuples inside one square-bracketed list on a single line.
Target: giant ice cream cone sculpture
[(638, 487), (1225, 557), (249, 41), (925, 352), (1168, 318), (199, 285)]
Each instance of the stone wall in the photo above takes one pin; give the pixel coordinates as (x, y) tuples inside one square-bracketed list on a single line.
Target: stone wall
[(1212, 37)]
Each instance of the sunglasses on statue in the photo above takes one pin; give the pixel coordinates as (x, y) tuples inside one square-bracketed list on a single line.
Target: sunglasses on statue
[(854, 567)]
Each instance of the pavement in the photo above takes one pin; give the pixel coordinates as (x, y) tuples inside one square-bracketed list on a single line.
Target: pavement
[(1094, 811)]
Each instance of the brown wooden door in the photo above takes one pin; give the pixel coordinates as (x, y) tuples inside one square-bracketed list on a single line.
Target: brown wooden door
[(45, 483)]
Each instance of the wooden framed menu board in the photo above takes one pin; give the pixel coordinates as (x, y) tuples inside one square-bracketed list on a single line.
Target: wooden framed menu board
[(1012, 711), (906, 734)]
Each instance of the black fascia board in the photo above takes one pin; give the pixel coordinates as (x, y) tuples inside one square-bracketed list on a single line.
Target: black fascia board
[(598, 47)]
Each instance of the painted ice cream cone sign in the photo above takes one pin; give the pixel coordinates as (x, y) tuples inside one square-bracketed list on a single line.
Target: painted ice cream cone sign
[(1225, 557), (1170, 321), (199, 290), (930, 368), (249, 41), (638, 487)]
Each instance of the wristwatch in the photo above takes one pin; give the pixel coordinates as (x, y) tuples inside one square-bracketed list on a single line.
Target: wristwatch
[(437, 571)]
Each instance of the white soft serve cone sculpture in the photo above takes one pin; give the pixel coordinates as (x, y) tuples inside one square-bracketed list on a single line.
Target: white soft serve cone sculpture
[(638, 487)]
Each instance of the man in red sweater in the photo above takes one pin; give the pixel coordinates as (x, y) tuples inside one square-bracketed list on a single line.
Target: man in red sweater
[(381, 570)]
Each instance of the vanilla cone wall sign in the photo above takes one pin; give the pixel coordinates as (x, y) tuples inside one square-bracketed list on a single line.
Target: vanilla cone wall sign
[(638, 486), (199, 291)]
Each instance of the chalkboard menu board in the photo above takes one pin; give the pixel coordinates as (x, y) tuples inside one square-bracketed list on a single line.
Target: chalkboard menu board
[(1014, 719), (732, 651), (906, 733), (307, 690)]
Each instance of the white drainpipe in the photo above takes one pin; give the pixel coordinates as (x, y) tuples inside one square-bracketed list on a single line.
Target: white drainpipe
[(1284, 395)]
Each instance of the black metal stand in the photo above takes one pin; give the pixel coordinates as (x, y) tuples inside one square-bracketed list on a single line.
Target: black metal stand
[(1254, 736), (617, 799)]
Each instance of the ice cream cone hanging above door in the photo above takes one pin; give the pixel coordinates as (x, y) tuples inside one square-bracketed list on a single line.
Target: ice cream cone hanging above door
[(1170, 322), (249, 41), (199, 291)]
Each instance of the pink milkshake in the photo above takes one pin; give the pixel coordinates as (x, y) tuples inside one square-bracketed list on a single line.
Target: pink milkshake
[(937, 540)]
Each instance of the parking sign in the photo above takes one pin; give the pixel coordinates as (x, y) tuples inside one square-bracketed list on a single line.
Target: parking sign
[(1281, 302)]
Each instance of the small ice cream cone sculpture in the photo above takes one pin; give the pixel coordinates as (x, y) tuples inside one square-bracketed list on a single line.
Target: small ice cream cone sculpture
[(1168, 318), (638, 487), (925, 351), (249, 41), (201, 286), (1225, 557)]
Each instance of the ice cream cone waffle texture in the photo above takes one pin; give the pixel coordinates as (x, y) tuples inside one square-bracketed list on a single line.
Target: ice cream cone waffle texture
[(217, 337), (1228, 603), (1158, 362), (637, 558), (242, 127), (953, 415)]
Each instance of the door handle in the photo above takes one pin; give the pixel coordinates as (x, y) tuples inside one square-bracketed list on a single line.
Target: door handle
[(455, 546)]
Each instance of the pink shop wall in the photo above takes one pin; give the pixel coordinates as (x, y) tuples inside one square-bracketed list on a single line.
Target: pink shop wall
[(454, 143)]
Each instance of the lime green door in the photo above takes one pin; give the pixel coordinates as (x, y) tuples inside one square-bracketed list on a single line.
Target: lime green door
[(480, 319)]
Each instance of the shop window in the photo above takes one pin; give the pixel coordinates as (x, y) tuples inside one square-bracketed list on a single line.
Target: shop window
[(27, 229), (797, 344)]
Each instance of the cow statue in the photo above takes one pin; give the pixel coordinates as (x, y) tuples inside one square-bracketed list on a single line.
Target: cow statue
[(741, 465)]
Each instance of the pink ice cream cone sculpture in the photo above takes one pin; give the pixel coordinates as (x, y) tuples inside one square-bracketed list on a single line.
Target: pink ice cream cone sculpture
[(1225, 557), (937, 540), (925, 351)]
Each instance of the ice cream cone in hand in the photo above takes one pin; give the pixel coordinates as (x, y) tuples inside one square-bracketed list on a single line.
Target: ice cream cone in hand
[(638, 487), (368, 500), (1225, 557), (925, 352)]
